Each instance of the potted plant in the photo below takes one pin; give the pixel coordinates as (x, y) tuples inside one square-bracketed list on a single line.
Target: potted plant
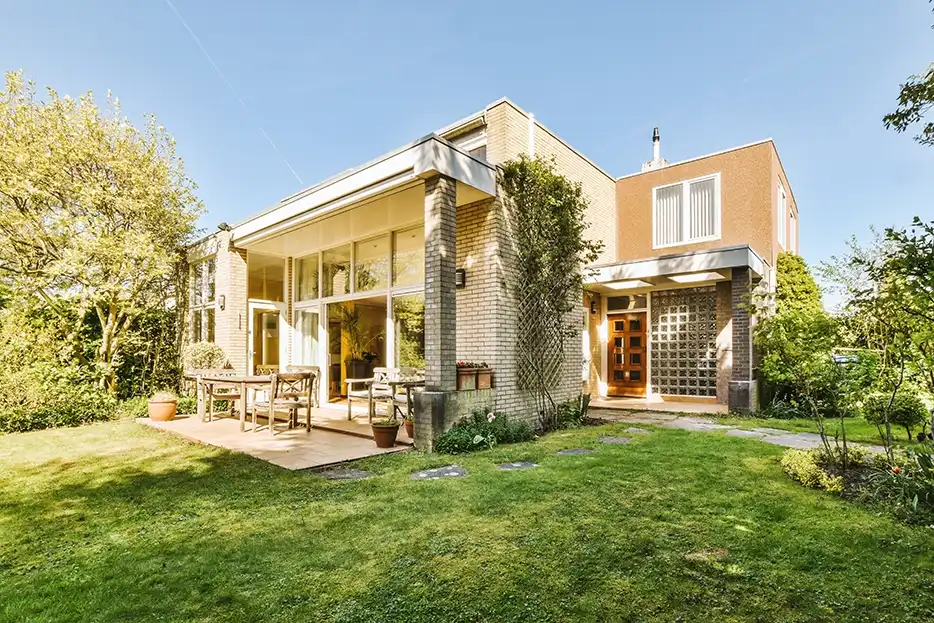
[(162, 406), (409, 423), (385, 432)]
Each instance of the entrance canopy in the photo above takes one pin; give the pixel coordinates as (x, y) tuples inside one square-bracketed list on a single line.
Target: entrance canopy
[(693, 268)]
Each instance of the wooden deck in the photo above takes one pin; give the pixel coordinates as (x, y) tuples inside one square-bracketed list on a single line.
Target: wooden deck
[(658, 404), (332, 440)]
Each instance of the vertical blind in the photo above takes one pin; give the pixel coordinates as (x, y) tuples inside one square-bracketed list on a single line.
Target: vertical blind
[(703, 209), (668, 215), (686, 212)]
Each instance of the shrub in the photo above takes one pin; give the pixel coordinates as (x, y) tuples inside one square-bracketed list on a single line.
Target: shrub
[(570, 414), (805, 467), (189, 404), (203, 356), (31, 401), (908, 486), (481, 430), (908, 411)]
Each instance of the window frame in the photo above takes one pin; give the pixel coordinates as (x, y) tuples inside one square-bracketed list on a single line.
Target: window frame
[(686, 211), (202, 282), (781, 235), (792, 231)]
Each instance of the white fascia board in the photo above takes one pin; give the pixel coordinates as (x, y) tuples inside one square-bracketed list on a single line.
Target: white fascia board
[(699, 261), (426, 157), (439, 156)]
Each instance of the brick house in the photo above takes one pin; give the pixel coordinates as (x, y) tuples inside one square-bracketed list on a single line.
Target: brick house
[(413, 248)]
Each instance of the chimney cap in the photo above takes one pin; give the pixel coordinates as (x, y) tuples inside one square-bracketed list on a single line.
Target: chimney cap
[(655, 136)]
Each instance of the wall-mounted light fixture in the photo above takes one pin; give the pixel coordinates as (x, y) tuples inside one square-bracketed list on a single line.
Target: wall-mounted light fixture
[(593, 307), (222, 302), (460, 277)]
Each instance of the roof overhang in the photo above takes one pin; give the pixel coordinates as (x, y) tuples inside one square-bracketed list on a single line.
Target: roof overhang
[(425, 158), (696, 267)]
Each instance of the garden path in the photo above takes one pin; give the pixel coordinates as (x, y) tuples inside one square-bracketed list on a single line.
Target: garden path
[(784, 438)]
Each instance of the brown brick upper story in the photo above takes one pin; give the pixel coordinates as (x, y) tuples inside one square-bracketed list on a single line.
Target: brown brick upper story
[(746, 183)]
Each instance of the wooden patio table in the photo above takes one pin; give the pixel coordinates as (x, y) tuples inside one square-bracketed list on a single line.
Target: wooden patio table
[(241, 381)]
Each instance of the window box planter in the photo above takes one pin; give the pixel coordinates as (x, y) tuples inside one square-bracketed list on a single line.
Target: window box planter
[(474, 376)]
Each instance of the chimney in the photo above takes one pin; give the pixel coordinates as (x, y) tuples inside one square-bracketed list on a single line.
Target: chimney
[(657, 162)]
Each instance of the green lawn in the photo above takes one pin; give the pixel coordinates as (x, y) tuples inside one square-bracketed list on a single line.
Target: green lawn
[(115, 522)]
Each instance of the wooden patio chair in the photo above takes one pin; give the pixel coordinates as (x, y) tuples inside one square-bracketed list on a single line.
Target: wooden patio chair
[(315, 380), (211, 393), (288, 392), (395, 395)]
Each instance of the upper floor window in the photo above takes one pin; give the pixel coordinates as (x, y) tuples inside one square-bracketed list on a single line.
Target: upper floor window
[(792, 232), (265, 277), (782, 214), (686, 212)]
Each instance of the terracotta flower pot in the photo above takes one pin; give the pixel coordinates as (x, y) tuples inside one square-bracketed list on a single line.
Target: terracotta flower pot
[(385, 434), (162, 411), (410, 429)]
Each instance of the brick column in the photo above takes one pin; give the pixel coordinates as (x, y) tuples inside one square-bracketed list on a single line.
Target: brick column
[(742, 397), (440, 293), (230, 324), (436, 407)]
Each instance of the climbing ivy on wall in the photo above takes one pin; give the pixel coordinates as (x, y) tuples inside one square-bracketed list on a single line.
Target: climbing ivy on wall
[(547, 221)]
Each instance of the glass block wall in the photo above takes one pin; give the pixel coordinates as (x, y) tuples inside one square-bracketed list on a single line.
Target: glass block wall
[(684, 342)]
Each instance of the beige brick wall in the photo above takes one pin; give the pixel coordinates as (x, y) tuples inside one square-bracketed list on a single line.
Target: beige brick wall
[(230, 332)]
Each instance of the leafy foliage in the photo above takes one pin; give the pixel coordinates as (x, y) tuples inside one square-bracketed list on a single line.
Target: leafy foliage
[(795, 286), (491, 428), (908, 485), (547, 217), (804, 466), (906, 410), (203, 356), (41, 386), (914, 101), (93, 213)]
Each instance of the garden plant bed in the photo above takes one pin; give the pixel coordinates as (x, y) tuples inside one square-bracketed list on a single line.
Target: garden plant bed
[(675, 524)]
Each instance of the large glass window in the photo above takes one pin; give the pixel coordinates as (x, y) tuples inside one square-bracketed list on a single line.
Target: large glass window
[(265, 277), (202, 290), (371, 264), (306, 278), (307, 325), (686, 212), (408, 314), (335, 271), (408, 257)]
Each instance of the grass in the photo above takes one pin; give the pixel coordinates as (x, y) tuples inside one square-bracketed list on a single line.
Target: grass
[(115, 522)]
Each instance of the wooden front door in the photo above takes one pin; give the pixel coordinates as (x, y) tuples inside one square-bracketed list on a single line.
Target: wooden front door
[(626, 355)]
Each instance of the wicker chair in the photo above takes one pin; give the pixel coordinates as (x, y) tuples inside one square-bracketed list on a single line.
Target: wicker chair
[(289, 392)]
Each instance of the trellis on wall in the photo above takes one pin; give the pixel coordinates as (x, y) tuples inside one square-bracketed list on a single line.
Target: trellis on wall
[(684, 342)]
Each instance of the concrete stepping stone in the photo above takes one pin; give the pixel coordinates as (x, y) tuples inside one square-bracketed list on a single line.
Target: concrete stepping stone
[(771, 431), (751, 434), (618, 441), (801, 441), (639, 431), (437, 473), (573, 452), (696, 424), (345, 473), (517, 465)]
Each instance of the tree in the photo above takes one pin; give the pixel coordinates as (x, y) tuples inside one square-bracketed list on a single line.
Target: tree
[(914, 101), (94, 213), (547, 215), (795, 287)]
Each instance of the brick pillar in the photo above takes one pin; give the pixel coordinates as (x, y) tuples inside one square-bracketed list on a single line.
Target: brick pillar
[(742, 397), (230, 328), (440, 293), (436, 407)]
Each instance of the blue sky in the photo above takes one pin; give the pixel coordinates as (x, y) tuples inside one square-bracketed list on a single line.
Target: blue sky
[(336, 84)]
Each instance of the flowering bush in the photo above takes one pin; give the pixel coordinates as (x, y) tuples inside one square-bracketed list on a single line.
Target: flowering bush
[(483, 430), (472, 364)]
